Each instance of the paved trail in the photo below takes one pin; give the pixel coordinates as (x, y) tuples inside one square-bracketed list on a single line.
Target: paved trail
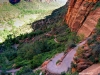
[(65, 64), (11, 71)]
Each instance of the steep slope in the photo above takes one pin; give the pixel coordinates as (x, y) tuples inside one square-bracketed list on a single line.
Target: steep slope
[(15, 17), (82, 17)]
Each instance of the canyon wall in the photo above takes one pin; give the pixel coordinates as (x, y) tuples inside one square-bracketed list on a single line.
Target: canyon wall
[(82, 16)]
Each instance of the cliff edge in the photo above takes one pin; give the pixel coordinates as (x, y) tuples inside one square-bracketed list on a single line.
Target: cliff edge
[(83, 15)]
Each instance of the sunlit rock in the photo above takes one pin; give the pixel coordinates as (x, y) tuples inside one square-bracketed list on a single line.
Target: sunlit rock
[(81, 17)]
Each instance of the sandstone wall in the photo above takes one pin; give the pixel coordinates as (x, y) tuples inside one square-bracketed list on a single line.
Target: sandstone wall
[(81, 17)]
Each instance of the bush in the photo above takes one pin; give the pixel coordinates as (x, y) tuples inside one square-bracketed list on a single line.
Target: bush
[(92, 58), (96, 5), (38, 72), (58, 62), (25, 71), (63, 73), (27, 51), (69, 73), (80, 52), (72, 46), (73, 65), (96, 50), (10, 54), (98, 27)]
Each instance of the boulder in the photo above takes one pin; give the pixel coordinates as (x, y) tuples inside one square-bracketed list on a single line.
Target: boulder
[(92, 70)]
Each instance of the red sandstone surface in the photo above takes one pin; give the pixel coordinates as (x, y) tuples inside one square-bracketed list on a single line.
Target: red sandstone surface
[(81, 17), (92, 70)]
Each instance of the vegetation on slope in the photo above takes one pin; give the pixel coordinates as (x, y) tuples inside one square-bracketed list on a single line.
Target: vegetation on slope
[(97, 5), (94, 44), (26, 50), (14, 18)]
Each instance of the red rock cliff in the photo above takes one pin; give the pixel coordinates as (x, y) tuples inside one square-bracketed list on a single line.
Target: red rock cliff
[(81, 17)]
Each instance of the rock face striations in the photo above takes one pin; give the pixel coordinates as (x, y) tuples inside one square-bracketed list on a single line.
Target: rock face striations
[(82, 16)]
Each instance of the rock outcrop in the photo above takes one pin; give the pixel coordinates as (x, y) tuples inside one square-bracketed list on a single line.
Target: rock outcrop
[(92, 70), (82, 17)]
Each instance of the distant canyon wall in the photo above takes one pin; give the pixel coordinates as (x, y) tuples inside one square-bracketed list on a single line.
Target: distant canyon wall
[(4, 1), (82, 16)]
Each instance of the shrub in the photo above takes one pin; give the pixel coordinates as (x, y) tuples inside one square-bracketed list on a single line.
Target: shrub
[(10, 54), (96, 5), (98, 27), (96, 50), (73, 65), (72, 46), (80, 52), (63, 73), (25, 71), (62, 38), (27, 51), (58, 62), (69, 73), (92, 39), (92, 58), (37, 72)]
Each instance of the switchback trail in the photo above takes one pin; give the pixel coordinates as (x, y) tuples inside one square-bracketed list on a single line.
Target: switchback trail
[(65, 64), (11, 71)]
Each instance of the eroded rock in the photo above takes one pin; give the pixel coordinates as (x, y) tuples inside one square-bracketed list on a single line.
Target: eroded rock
[(92, 70), (81, 17)]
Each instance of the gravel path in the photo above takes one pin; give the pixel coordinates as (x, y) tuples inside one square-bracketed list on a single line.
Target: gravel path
[(65, 64), (11, 71)]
